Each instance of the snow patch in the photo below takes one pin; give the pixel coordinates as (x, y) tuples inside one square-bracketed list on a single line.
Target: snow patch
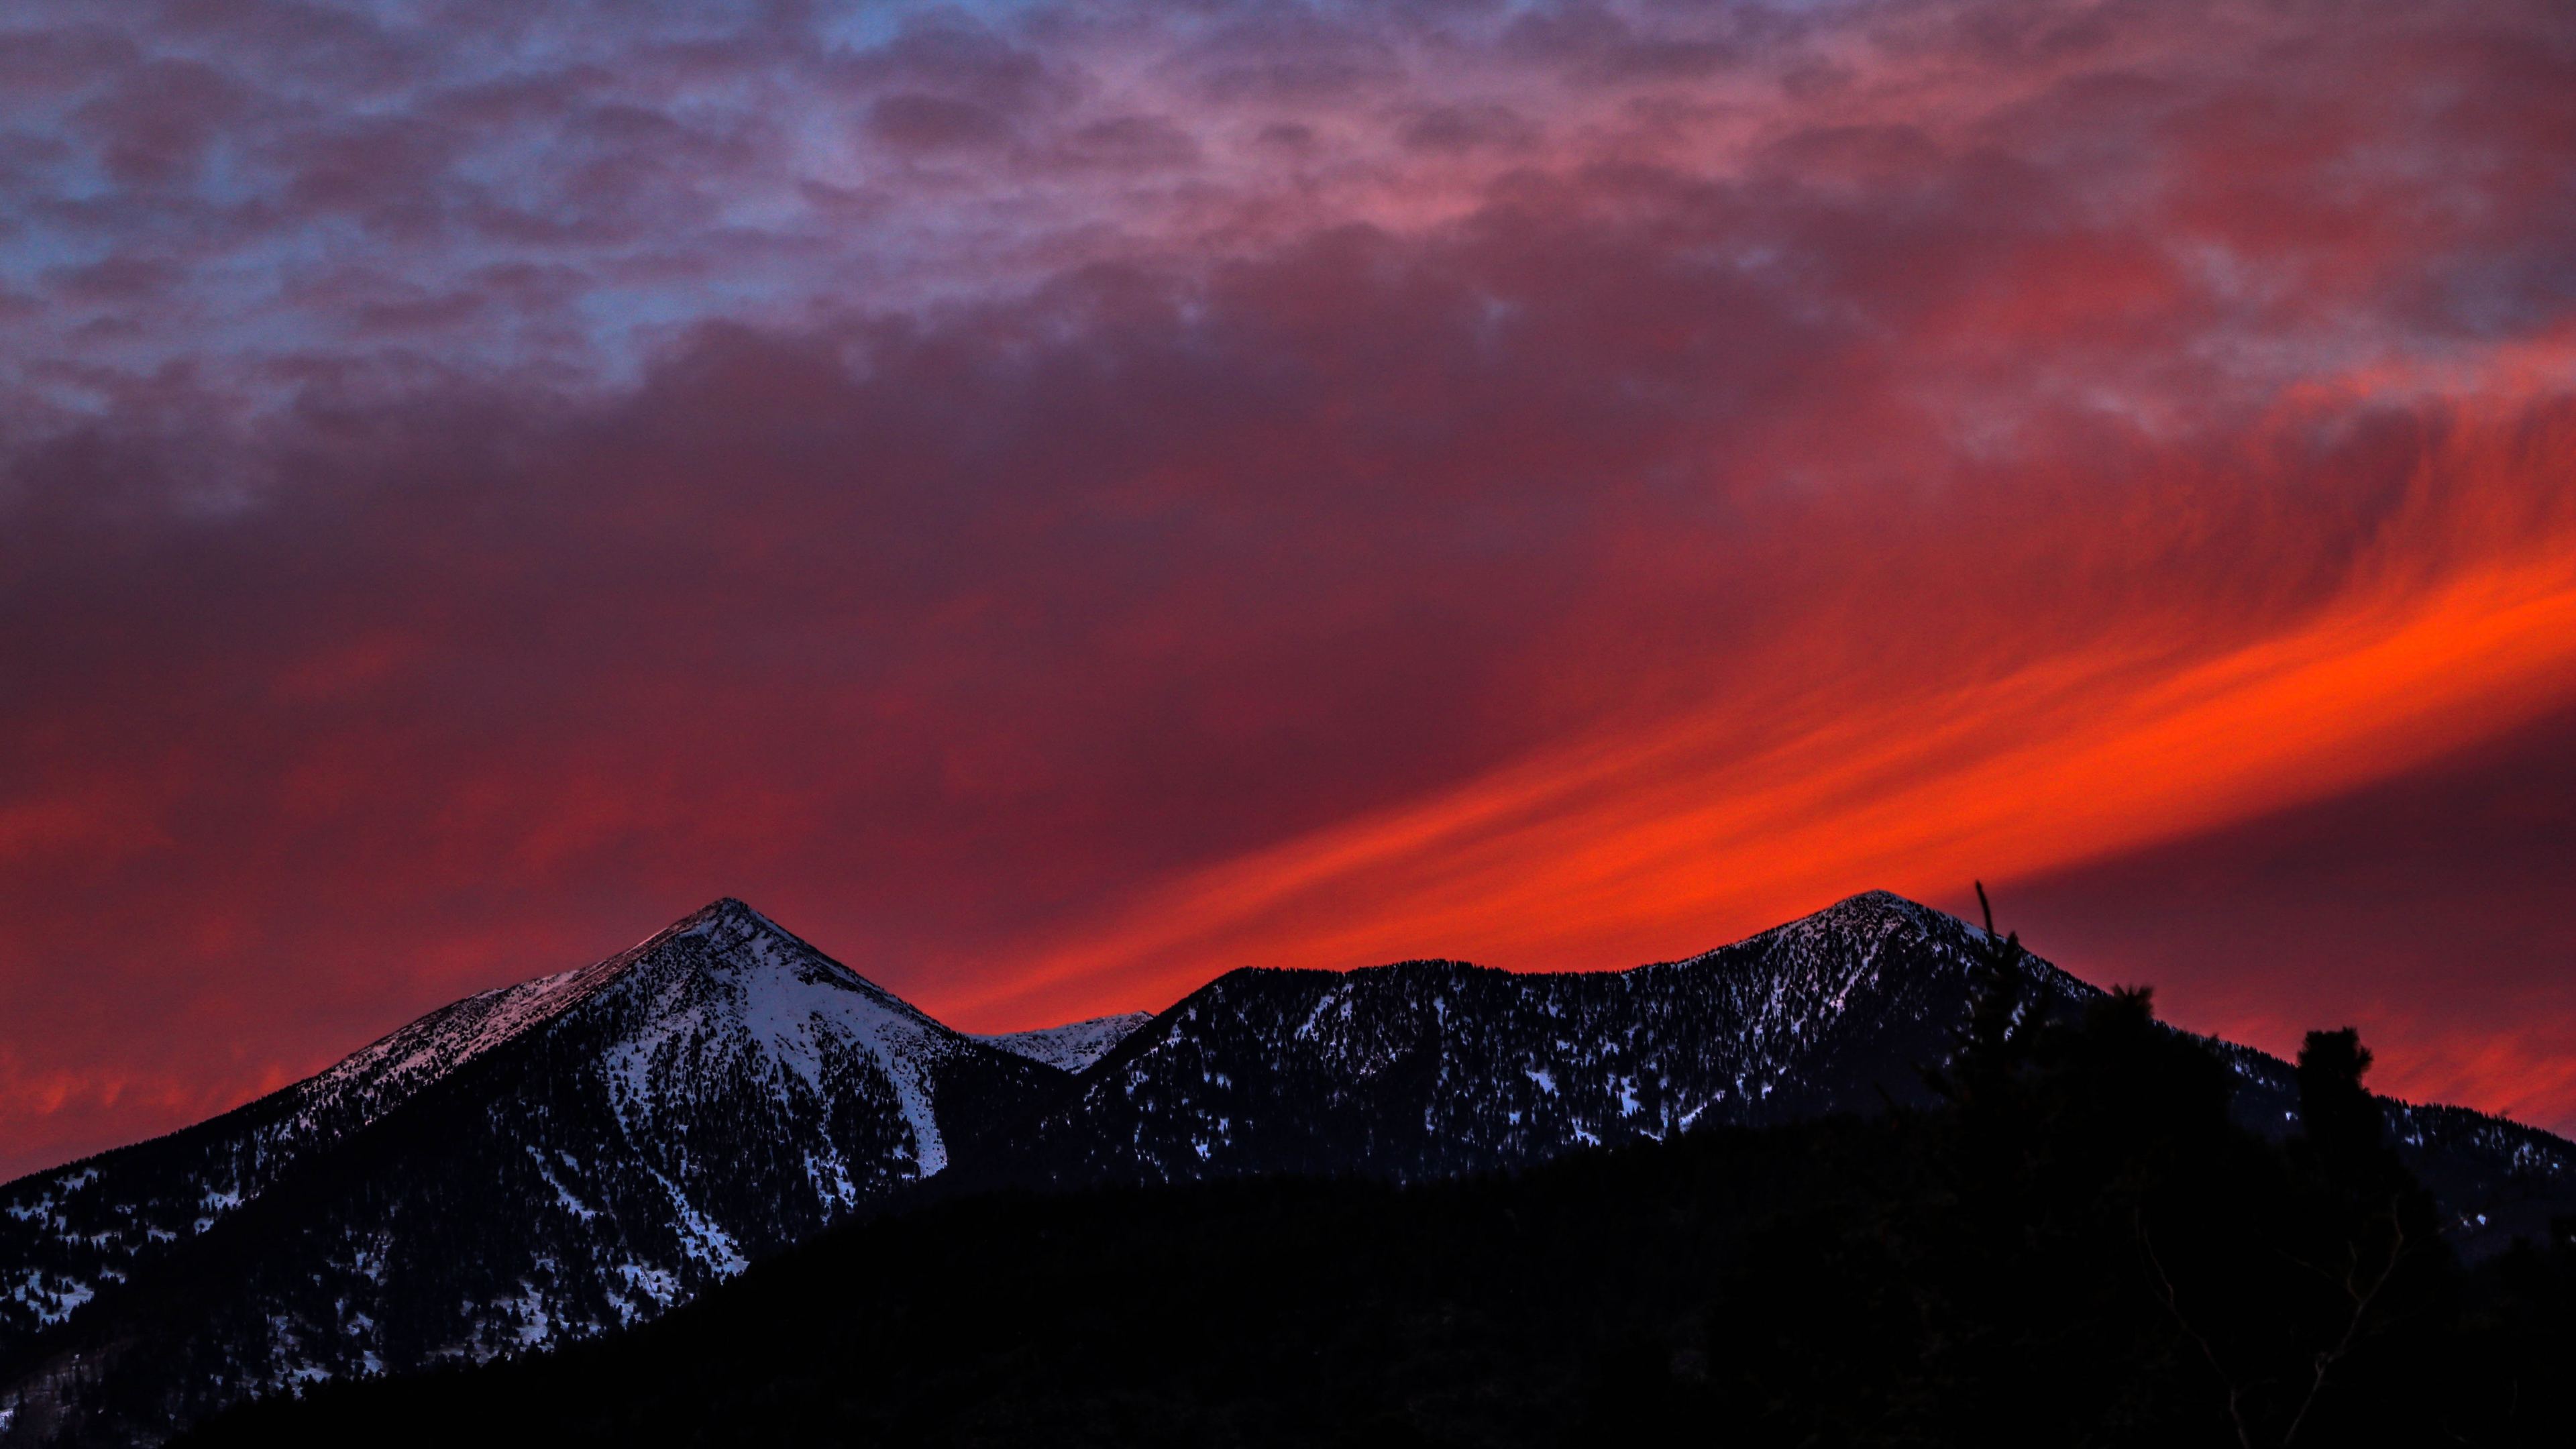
[(1074, 1046)]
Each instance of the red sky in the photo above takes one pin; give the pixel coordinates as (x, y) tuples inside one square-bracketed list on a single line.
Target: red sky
[(1053, 502)]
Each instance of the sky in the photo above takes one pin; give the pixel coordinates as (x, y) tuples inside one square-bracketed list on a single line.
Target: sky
[(1055, 501)]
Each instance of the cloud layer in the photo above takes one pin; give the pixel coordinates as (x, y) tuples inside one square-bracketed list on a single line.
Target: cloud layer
[(1058, 501)]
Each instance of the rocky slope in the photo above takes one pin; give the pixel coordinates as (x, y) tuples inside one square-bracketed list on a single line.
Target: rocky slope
[(576, 1154), (556, 1159), (1430, 1068)]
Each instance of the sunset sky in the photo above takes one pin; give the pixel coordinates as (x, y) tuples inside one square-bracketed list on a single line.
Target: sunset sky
[(1053, 501)]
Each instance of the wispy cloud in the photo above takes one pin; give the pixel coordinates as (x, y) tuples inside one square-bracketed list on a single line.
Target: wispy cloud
[(1060, 500)]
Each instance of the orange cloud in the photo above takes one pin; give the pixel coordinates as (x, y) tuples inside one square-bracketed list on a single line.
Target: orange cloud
[(1650, 844), (1086, 505)]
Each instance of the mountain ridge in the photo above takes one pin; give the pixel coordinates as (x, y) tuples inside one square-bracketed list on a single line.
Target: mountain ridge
[(583, 1151), (1838, 1010), (558, 1158)]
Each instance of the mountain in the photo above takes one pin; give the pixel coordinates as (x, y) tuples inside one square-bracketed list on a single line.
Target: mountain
[(1969, 1273), (1075, 1045), (1435, 1068), (578, 1154), (67, 1233), (551, 1160), (1432, 1068)]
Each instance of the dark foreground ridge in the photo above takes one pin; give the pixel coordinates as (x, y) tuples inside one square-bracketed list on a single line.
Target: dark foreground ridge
[(2074, 1244)]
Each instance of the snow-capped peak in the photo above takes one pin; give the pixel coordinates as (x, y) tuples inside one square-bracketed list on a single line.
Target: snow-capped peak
[(721, 1019), (725, 989), (380, 1076), (606, 1142)]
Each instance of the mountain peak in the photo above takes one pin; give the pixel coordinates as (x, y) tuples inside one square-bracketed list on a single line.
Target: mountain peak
[(722, 911), (1877, 903), (1873, 913), (631, 1131), (739, 936)]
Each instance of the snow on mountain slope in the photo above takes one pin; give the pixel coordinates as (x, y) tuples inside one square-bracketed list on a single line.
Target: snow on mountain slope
[(385, 1072), (68, 1232), (1075, 1045), (1435, 1067), (552, 1160), (726, 994), (568, 1156)]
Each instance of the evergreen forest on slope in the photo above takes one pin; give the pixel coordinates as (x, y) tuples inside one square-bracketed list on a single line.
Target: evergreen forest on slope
[(2074, 1245)]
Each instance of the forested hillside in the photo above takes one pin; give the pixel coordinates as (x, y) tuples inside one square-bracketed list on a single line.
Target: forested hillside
[(2075, 1244)]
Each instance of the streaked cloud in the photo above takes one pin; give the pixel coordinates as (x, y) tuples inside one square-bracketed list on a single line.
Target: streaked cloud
[(1058, 501)]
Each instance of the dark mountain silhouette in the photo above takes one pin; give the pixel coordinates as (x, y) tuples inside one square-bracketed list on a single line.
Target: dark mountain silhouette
[(1432, 1068), (2073, 1242), (578, 1155)]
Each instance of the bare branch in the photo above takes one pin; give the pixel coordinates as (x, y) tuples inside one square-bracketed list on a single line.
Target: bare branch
[(2361, 1300), (2173, 1305)]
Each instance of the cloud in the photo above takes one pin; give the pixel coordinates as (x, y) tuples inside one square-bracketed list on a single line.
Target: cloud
[(2405, 907), (1057, 505), (1467, 128), (914, 122)]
